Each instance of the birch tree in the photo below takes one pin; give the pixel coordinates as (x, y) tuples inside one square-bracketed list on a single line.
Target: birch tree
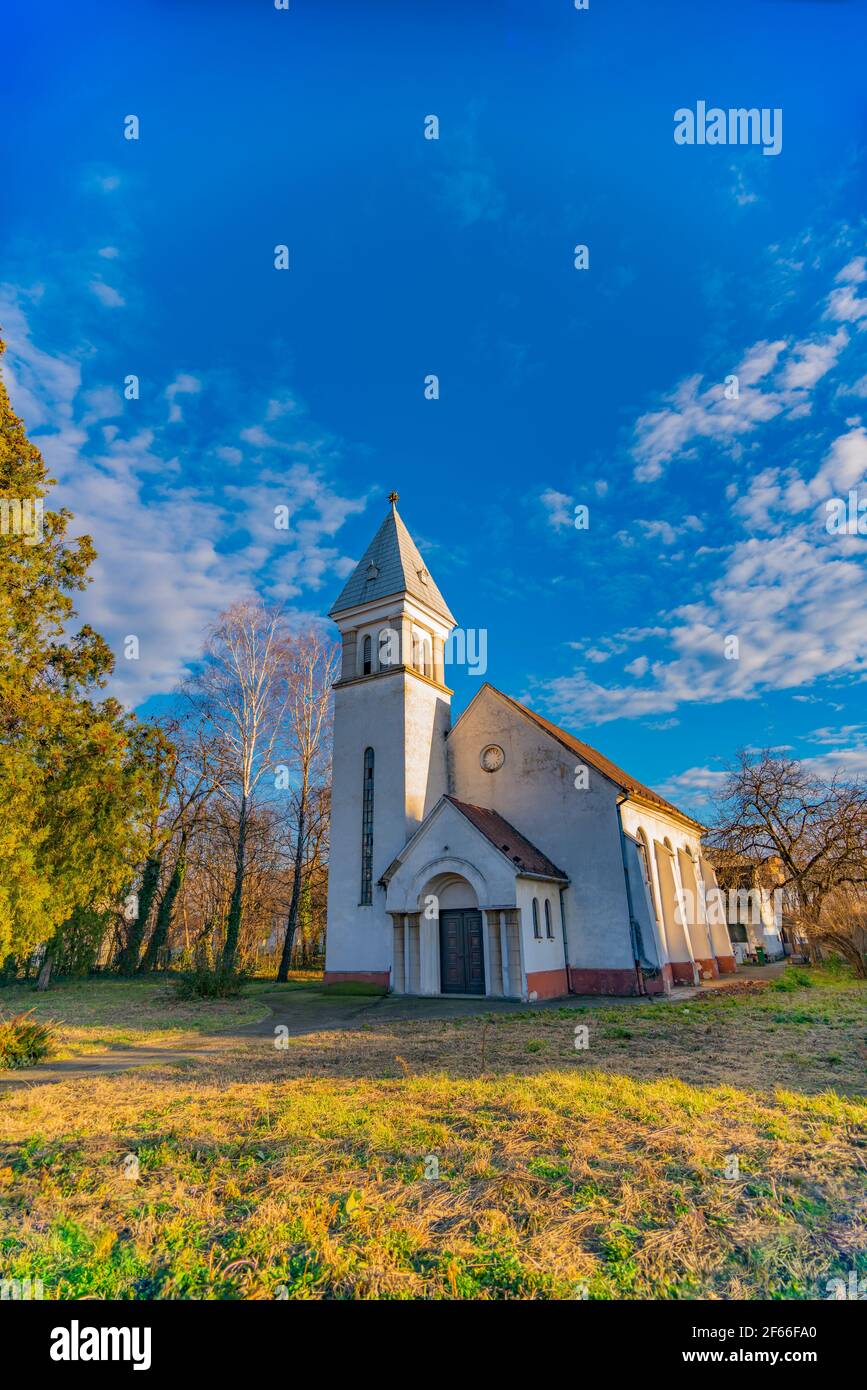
[(309, 666), (240, 696)]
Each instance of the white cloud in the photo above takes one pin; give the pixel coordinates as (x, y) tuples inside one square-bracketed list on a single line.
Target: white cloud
[(638, 667), (184, 384), (844, 306), (692, 781), (106, 294), (793, 598), (559, 509), (170, 553), (809, 361), (774, 377)]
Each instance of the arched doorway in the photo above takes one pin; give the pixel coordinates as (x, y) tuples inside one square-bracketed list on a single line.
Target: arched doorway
[(461, 935)]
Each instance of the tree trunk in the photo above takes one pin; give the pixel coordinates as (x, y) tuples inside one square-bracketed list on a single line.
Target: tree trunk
[(233, 924), (45, 973), (164, 913), (292, 919), (128, 959)]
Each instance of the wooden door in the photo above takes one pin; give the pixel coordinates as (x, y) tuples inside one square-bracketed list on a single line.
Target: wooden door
[(462, 959)]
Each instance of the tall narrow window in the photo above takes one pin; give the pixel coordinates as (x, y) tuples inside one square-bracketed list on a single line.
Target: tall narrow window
[(367, 830), (365, 657), (537, 930), (644, 849), (549, 926)]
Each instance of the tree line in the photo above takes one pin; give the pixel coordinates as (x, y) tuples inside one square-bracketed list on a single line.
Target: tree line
[(130, 844)]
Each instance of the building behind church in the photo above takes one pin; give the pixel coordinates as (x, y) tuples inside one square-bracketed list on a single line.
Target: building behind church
[(498, 855)]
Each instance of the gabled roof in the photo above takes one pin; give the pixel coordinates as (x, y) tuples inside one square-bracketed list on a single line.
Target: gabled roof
[(391, 565), (509, 841), (523, 856), (591, 756)]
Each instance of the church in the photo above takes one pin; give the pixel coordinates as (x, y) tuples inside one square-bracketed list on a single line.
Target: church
[(498, 854)]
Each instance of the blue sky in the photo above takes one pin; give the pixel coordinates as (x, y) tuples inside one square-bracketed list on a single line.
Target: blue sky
[(558, 387)]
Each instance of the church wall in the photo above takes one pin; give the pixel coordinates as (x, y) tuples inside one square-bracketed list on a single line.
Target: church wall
[(544, 962), (708, 944), (578, 829), (427, 718)]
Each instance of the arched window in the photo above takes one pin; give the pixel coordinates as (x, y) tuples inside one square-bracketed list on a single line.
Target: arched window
[(549, 926), (416, 651), (427, 659), (537, 930), (367, 829), (366, 657), (644, 847)]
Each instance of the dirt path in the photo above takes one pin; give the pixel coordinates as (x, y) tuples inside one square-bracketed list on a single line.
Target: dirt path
[(303, 1013)]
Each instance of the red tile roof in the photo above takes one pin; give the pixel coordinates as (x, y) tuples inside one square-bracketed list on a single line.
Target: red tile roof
[(525, 856)]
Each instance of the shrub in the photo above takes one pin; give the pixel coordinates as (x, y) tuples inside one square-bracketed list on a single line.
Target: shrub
[(794, 979), (24, 1041), (207, 980)]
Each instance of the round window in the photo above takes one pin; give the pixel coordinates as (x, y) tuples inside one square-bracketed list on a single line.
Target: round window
[(492, 757)]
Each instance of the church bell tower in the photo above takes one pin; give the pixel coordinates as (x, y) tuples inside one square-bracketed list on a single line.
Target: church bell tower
[(391, 717)]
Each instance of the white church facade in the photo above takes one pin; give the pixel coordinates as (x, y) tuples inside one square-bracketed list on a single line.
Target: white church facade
[(497, 855)]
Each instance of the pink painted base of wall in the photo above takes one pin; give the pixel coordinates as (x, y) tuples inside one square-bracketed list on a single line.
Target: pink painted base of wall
[(603, 981), (682, 972), (547, 984), (380, 978), (707, 969), (727, 965), (659, 984)]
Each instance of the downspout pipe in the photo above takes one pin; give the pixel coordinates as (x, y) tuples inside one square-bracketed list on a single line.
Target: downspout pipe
[(569, 988)]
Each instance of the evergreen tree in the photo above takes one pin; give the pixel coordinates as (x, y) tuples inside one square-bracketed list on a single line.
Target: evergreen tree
[(77, 773)]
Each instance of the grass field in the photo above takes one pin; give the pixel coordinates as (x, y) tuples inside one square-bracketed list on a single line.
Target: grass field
[(300, 1172), (98, 1014)]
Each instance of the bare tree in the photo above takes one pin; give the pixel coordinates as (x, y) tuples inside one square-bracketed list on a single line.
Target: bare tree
[(191, 783), (843, 926), (775, 808), (309, 667), (240, 696)]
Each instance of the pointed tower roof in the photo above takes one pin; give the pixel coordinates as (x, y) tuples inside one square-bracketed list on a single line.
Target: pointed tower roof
[(391, 565)]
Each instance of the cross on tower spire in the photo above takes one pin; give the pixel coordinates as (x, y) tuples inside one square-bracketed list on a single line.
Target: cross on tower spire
[(394, 498)]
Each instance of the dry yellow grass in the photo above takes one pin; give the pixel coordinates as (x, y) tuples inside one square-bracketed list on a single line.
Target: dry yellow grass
[(266, 1172)]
